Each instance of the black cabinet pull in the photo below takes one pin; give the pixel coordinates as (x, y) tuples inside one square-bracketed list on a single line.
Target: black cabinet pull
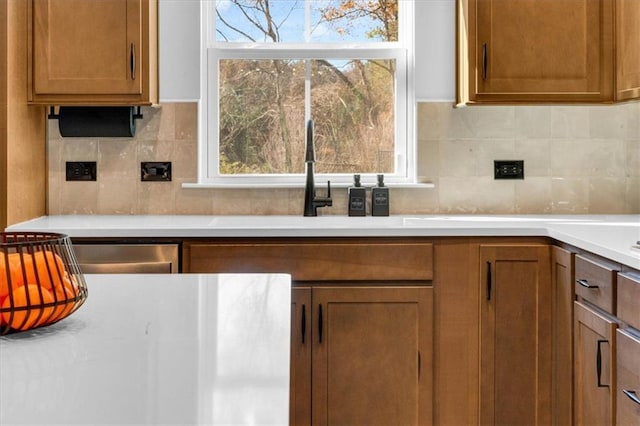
[(484, 61), (304, 322), (320, 323), (419, 364), (132, 56), (632, 395), (585, 284), (599, 364), (489, 281)]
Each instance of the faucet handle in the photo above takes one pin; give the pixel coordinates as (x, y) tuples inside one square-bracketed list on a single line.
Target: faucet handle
[(329, 189)]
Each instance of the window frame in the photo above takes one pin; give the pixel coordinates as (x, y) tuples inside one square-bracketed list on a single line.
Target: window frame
[(405, 135)]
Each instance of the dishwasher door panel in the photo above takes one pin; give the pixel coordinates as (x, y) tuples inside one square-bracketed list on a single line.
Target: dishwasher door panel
[(127, 258)]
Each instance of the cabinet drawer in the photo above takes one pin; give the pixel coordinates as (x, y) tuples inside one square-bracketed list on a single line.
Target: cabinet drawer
[(629, 300), (316, 261), (628, 379), (596, 283)]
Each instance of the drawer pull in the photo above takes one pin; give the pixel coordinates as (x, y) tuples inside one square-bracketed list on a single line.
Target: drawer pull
[(632, 395), (489, 281), (320, 323), (585, 284), (599, 364), (132, 57), (484, 61), (304, 322)]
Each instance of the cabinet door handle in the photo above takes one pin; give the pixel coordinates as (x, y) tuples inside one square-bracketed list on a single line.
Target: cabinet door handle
[(599, 364), (484, 61), (304, 322), (320, 323), (585, 284), (489, 284), (132, 57), (632, 395), (419, 364)]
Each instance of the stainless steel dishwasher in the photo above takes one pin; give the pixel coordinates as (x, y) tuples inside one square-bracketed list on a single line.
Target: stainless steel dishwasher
[(128, 258)]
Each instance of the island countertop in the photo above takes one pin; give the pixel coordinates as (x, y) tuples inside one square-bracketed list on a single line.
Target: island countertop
[(156, 349), (611, 236)]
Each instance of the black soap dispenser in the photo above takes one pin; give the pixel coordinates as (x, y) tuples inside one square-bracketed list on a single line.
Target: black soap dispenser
[(357, 198), (380, 198)]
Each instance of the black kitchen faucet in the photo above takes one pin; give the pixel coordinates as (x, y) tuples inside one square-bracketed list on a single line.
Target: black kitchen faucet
[(311, 202)]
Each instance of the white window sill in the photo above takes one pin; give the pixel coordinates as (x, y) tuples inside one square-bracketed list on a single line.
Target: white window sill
[(319, 185)]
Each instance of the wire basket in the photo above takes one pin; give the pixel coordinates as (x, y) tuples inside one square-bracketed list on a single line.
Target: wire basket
[(40, 281)]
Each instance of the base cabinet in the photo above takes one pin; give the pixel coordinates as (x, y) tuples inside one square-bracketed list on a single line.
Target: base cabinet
[(369, 352), (515, 335), (594, 366), (628, 378), (563, 295), (362, 323)]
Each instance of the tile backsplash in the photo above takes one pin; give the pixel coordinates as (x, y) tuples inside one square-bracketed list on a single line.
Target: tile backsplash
[(578, 159)]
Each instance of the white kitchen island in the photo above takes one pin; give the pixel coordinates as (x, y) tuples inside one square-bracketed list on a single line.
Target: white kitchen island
[(156, 349)]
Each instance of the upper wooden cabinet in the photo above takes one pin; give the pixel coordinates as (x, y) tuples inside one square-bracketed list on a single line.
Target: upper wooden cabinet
[(535, 51), (627, 49), (93, 52)]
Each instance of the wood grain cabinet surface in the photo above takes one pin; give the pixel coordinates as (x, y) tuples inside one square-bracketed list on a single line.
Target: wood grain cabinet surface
[(362, 323), (548, 51), (563, 295), (594, 366), (627, 49), (628, 378), (515, 335), (372, 355), (93, 52), (361, 355), (596, 282), (629, 299)]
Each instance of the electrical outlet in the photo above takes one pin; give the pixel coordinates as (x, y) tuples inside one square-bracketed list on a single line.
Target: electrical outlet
[(151, 171), (81, 170), (508, 169)]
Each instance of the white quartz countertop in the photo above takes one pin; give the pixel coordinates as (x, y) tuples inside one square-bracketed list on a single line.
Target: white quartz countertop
[(611, 236), (156, 349)]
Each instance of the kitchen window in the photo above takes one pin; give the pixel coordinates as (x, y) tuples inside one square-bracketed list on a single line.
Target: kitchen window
[(271, 65)]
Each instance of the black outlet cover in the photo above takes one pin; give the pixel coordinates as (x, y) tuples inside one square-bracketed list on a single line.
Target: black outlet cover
[(508, 169), (81, 170), (158, 171)]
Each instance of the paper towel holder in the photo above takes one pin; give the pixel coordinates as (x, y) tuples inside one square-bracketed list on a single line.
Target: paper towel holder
[(96, 121)]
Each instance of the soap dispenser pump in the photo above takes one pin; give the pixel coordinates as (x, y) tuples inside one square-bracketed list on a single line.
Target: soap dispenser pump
[(357, 198), (380, 199)]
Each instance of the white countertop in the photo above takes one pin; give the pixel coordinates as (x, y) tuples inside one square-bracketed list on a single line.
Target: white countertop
[(156, 349), (611, 236)]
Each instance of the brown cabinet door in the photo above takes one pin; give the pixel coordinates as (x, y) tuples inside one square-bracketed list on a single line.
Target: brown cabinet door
[(515, 335), (628, 49), (541, 50), (594, 366), (562, 279), (87, 47), (372, 355), (628, 379), (300, 388)]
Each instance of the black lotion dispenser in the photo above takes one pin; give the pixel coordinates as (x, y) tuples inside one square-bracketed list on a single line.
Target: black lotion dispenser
[(380, 198), (357, 198)]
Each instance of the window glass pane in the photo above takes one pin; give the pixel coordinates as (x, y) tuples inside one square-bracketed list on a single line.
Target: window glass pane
[(352, 104), (259, 21), (272, 21), (261, 116), (354, 20)]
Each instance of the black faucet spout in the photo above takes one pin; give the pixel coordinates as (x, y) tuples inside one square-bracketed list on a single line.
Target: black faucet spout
[(311, 202)]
